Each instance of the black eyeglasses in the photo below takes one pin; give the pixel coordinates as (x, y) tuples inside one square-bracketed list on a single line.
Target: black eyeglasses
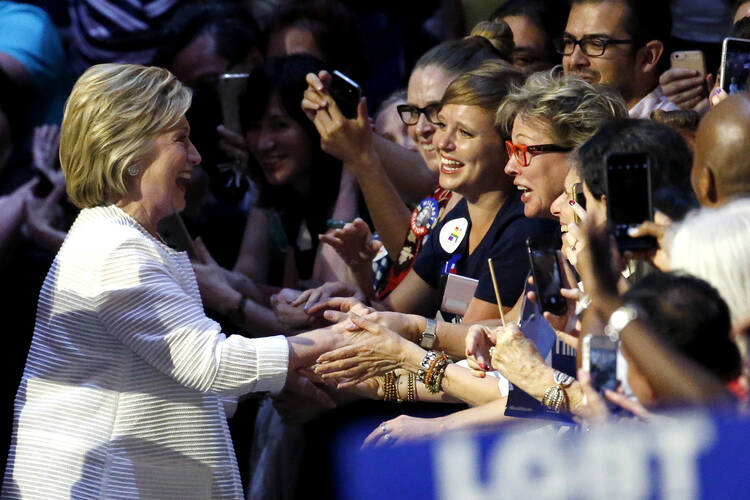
[(410, 114), (591, 45)]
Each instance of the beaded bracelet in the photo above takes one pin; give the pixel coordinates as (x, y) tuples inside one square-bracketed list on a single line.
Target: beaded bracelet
[(434, 378), (411, 394), (425, 365), (389, 387)]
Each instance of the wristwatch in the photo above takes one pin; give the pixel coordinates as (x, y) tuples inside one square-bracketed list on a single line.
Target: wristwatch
[(619, 319), (237, 314), (563, 379), (427, 340)]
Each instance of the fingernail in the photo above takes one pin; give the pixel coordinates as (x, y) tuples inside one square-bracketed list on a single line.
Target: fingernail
[(469, 353), (351, 326), (572, 203), (482, 375)]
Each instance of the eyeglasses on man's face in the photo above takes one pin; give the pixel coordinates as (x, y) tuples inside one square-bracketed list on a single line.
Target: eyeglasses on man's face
[(410, 114), (591, 45), (523, 153)]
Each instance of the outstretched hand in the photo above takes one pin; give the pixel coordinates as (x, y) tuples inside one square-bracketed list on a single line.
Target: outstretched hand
[(374, 350), (354, 243)]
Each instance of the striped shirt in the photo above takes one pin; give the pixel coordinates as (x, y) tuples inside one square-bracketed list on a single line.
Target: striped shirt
[(122, 391), (116, 30)]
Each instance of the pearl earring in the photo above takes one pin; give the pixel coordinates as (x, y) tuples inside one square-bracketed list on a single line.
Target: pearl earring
[(133, 170)]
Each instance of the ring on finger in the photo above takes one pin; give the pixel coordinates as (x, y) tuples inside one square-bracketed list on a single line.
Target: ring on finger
[(387, 437), (382, 428)]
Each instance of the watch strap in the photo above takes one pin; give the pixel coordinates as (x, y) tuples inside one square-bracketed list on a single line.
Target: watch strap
[(427, 340)]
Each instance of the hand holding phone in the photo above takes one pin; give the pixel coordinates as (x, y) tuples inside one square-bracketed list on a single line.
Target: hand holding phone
[(735, 65), (688, 59), (599, 358), (545, 268), (346, 92), (629, 203), (230, 86)]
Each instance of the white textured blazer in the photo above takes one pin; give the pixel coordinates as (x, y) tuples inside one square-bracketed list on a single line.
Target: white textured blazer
[(121, 393)]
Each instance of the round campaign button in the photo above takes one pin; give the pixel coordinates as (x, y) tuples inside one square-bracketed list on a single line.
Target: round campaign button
[(424, 217)]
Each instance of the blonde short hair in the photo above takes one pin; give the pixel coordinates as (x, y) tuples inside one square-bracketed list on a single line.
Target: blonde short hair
[(569, 108), (485, 86), (111, 119)]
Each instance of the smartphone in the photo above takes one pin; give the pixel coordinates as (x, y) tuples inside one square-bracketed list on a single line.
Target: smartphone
[(229, 87), (576, 194), (545, 269), (629, 203), (173, 231), (599, 358), (346, 93), (735, 65), (689, 59)]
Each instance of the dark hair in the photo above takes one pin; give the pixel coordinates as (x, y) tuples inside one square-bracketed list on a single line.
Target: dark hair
[(549, 16), (670, 155), (741, 29), (677, 118), (690, 315), (233, 29), (335, 30), (285, 76), (459, 56), (646, 20)]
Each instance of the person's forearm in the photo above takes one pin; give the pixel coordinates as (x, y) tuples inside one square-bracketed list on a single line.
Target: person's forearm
[(388, 211), (257, 320), (460, 383), (246, 287), (491, 413), (406, 169), (674, 378)]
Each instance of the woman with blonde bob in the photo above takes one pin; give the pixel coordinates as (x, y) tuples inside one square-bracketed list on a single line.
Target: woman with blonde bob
[(125, 383)]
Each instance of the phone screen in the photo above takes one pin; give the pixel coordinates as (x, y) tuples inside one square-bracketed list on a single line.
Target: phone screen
[(346, 93), (629, 198), (736, 65), (547, 279), (603, 367)]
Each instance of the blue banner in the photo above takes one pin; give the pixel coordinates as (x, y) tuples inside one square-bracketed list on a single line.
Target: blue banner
[(687, 456)]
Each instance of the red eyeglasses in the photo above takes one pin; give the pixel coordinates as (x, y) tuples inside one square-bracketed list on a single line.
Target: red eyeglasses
[(523, 153)]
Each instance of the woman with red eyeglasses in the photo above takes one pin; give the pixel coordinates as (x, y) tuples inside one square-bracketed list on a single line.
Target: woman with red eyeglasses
[(546, 118)]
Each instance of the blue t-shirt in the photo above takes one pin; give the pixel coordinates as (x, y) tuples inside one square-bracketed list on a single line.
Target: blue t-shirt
[(505, 243), (28, 35)]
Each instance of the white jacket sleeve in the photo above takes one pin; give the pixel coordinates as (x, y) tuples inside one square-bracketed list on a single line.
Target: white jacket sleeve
[(141, 302)]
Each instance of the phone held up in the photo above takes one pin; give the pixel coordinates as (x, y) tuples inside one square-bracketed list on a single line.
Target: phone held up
[(599, 358), (229, 87), (688, 59), (346, 92), (735, 65), (545, 268), (629, 203)]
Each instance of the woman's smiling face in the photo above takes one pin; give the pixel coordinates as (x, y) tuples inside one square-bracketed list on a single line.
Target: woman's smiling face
[(426, 86), (471, 152)]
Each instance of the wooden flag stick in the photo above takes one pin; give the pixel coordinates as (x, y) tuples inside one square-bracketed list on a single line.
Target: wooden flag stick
[(497, 292)]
